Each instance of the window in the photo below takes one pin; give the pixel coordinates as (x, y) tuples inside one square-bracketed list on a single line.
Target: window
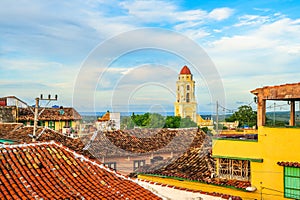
[(138, 163), (51, 124), (68, 124), (292, 182), (234, 169), (112, 165), (187, 97), (188, 87), (41, 123)]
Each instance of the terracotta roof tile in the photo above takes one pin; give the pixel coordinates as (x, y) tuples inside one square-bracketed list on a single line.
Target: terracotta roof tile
[(195, 164), (20, 134), (139, 141), (25, 114), (48, 170), (289, 164), (224, 196)]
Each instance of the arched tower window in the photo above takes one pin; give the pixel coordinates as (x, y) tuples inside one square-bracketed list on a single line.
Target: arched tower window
[(187, 97), (188, 87)]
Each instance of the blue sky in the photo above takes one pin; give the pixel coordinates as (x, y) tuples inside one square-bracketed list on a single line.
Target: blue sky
[(44, 44)]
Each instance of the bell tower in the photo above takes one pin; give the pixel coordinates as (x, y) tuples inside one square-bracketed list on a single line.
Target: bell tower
[(185, 105)]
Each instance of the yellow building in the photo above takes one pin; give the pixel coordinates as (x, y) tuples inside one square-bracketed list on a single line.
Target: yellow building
[(59, 119), (186, 104), (271, 160)]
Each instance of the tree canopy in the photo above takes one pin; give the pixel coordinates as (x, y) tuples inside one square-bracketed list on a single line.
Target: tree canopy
[(245, 115), (155, 120)]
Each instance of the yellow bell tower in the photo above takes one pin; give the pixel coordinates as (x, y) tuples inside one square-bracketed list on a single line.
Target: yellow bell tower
[(185, 105)]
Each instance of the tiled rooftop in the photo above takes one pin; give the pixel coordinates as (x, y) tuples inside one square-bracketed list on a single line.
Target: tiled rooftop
[(137, 141), (50, 170), (171, 190), (20, 134), (195, 164), (146, 143), (289, 164), (25, 114)]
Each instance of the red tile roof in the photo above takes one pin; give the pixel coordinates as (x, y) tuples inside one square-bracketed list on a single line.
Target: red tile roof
[(289, 164), (224, 196), (185, 70), (20, 134), (25, 114), (195, 164), (147, 143), (49, 170), (139, 141)]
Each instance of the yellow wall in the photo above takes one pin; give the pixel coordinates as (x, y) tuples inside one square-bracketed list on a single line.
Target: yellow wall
[(60, 124), (273, 145)]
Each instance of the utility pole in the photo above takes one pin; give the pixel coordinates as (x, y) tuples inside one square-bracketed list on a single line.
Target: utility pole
[(217, 117), (36, 112)]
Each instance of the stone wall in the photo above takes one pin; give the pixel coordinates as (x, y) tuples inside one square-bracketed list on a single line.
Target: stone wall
[(7, 114)]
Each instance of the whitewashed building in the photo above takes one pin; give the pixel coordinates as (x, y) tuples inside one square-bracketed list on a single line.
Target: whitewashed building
[(109, 121)]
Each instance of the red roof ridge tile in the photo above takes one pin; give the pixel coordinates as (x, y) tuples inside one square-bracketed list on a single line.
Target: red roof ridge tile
[(189, 190), (38, 170), (289, 164), (76, 155)]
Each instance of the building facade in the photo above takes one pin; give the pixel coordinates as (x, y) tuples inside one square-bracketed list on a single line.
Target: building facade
[(109, 121), (271, 162), (62, 119), (186, 104)]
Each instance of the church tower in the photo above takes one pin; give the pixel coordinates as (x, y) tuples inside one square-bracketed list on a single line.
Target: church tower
[(185, 105)]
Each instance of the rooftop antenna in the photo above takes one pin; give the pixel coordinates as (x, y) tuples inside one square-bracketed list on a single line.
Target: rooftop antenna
[(36, 111)]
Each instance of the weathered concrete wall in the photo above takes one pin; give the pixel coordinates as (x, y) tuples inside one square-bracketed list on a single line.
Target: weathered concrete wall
[(278, 92), (7, 114)]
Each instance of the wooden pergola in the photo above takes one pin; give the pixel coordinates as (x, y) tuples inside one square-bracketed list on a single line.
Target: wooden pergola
[(287, 92)]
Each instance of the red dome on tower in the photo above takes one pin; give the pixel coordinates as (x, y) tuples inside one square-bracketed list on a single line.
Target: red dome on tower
[(185, 70)]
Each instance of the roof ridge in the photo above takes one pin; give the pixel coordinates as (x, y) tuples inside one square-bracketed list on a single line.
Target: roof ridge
[(76, 155), (18, 127)]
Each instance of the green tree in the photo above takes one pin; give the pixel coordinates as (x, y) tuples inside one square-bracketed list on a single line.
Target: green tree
[(245, 115), (156, 120), (127, 122), (172, 122), (187, 122)]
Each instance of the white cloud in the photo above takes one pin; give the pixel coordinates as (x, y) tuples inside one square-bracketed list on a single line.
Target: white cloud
[(247, 20), (265, 55), (43, 44), (220, 13), (162, 12), (196, 34)]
